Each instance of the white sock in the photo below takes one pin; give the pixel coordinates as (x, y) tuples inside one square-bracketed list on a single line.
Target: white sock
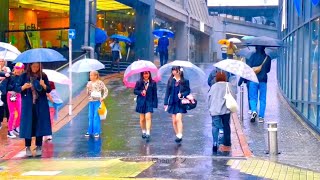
[(179, 136), (148, 132), (143, 131)]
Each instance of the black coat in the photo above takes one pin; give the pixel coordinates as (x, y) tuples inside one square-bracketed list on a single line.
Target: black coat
[(184, 90), (151, 98)]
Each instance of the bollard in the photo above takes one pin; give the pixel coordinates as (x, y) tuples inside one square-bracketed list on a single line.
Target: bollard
[(273, 138), (241, 102)]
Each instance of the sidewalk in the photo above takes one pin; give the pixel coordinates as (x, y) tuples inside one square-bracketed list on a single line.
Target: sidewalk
[(297, 144)]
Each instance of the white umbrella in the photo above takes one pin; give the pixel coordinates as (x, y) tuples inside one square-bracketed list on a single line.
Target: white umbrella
[(86, 65), (238, 68), (56, 77), (190, 71), (235, 40), (8, 52)]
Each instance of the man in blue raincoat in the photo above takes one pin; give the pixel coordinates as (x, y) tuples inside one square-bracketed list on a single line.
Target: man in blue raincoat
[(259, 58)]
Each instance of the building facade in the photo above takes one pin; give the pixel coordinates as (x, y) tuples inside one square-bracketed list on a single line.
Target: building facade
[(298, 65)]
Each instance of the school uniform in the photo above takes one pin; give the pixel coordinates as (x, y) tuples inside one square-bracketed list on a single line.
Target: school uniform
[(171, 98), (145, 104)]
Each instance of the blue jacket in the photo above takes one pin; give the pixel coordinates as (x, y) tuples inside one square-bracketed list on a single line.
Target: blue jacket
[(163, 44), (13, 84), (151, 98), (256, 59), (184, 90), (4, 84), (43, 126)]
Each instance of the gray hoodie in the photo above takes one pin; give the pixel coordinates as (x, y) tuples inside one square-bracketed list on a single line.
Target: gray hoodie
[(216, 101)]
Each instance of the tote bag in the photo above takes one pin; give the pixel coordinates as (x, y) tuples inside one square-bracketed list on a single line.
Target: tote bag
[(231, 103)]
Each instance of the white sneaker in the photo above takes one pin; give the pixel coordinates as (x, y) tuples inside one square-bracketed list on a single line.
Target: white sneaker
[(16, 130), (49, 138), (250, 112), (11, 135)]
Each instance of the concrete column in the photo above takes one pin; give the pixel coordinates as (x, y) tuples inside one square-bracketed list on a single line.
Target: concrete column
[(143, 30), (181, 41), (4, 18), (77, 22), (204, 48)]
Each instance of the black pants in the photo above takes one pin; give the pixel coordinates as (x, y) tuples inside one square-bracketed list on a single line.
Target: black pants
[(4, 111), (34, 129), (226, 129), (115, 60)]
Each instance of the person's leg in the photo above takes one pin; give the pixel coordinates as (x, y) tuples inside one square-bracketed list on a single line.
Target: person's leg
[(262, 98), (161, 58), (148, 122), (11, 119), (52, 112), (248, 95), (5, 105), (96, 119), (166, 57), (226, 129), (216, 125), (113, 59), (39, 141), (90, 118), (253, 95), (174, 123), (143, 125), (179, 125), (18, 106)]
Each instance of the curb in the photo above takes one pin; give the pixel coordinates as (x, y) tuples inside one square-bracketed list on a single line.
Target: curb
[(241, 136)]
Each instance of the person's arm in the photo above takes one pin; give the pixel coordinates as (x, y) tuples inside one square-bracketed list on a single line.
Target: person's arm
[(155, 96), (137, 89), (268, 64), (50, 97), (187, 88), (105, 90)]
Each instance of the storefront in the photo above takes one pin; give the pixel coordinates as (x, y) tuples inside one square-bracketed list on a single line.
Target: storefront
[(298, 66)]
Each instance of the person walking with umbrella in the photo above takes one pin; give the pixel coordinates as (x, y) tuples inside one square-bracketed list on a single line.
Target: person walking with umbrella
[(231, 50), (177, 88), (147, 99), (163, 44), (4, 112), (35, 116), (261, 64), (116, 53)]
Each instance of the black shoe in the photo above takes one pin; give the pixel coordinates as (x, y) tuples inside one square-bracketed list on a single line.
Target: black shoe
[(147, 138), (214, 148), (144, 136), (178, 140), (253, 117)]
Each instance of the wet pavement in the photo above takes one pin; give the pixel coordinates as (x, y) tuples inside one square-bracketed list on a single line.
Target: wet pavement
[(298, 146), (120, 152)]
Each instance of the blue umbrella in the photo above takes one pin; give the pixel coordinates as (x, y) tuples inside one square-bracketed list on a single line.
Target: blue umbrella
[(39, 55), (247, 52), (121, 38), (101, 36), (264, 41), (161, 32)]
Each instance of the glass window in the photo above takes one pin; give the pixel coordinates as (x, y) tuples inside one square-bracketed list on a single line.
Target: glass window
[(293, 68), (305, 45), (300, 68)]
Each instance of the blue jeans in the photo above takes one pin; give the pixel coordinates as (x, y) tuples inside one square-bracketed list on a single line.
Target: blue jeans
[(94, 118), (221, 122), (248, 95), (254, 90), (163, 58), (224, 56)]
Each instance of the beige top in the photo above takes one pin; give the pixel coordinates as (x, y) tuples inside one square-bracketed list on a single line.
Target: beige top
[(98, 89)]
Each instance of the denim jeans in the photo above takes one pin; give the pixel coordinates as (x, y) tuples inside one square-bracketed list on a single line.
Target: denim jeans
[(221, 122), (94, 118), (254, 90), (248, 95)]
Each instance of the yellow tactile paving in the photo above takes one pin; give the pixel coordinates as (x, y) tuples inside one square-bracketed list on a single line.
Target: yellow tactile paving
[(73, 169), (272, 170)]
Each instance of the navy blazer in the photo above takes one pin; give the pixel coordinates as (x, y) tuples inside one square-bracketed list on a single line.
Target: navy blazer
[(184, 90), (151, 98)]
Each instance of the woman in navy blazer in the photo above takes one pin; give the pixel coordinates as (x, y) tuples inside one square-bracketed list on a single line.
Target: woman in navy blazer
[(177, 88), (147, 99)]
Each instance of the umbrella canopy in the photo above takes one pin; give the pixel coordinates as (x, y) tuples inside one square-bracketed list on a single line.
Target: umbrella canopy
[(86, 65), (264, 41), (247, 37), (8, 52), (191, 72), (121, 38), (101, 36), (161, 32), (223, 41), (39, 55), (56, 77), (235, 40), (238, 68), (132, 73), (247, 52)]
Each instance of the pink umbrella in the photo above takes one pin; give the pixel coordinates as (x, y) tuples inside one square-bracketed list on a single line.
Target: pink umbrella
[(56, 77), (132, 73)]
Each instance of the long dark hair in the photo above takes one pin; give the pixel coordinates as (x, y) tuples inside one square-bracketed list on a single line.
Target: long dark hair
[(178, 69), (39, 74), (141, 76)]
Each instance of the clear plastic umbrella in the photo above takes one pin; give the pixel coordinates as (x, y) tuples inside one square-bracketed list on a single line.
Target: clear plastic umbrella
[(238, 68), (132, 73), (234, 40), (86, 65), (56, 77), (193, 73), (8, 52)]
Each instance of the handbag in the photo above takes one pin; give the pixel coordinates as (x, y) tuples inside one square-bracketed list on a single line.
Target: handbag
[(189, 102), (96, 94), (257, 69), (103, 111), (231, 103)]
